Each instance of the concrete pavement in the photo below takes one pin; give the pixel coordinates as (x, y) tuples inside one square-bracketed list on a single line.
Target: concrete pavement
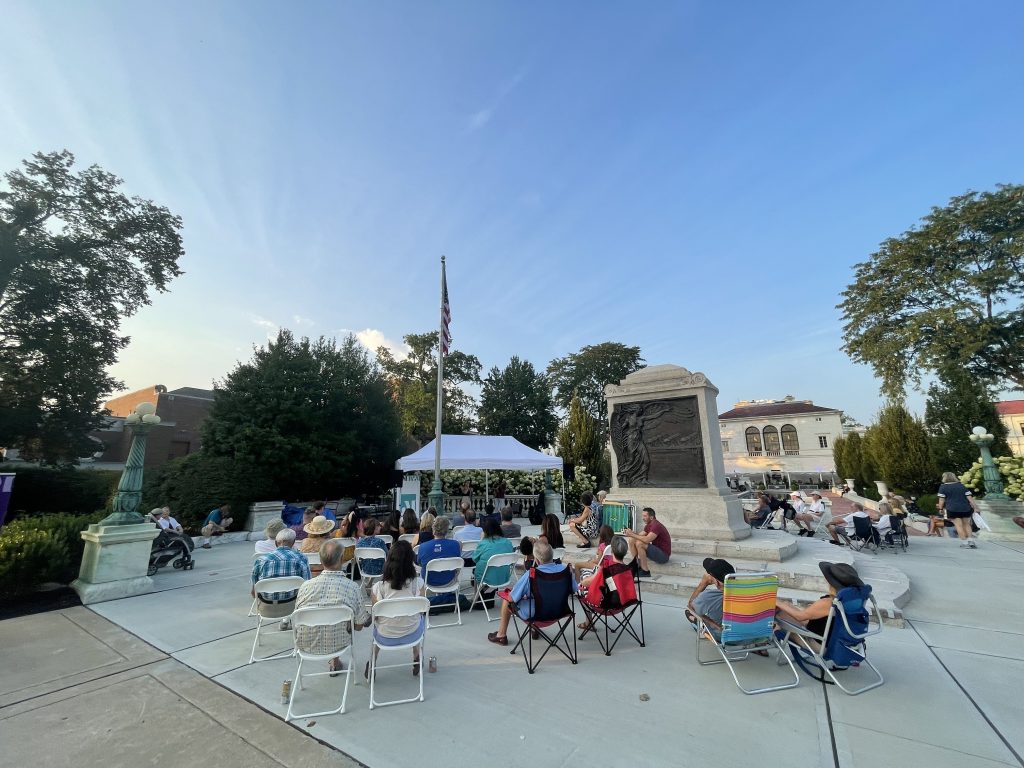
[(162, 678)]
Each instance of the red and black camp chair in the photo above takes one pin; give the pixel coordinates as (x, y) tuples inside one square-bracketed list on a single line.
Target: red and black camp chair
[(610, 603), (551, 594)]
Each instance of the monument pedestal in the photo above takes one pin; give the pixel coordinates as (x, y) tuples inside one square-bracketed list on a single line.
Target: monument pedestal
[(261, 513), (115, 563), (667, 453), (553, 504), (999, 514)]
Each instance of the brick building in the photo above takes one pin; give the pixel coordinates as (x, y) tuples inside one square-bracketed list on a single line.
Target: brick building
[(181, 411)]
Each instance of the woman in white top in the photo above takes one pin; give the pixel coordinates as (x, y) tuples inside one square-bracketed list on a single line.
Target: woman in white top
[(399, 580)]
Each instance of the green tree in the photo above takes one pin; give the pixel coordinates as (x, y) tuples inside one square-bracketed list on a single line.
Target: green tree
[(945, 293), (314, 417), (412, 381), (839, 457), (517, 401), (76, 257), (579, 439), (898, 446), (585, 374), (956, 404)]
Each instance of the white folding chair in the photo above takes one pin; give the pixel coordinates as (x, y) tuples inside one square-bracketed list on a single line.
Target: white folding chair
[(493, 569), (386, 538), (370, 553), (272, 611), (325, 619), (515, 541), (557, 554), (456, 529), (410, 537), (444, 565), (394, 608), (313, 558), (252, 608), (468, 547)]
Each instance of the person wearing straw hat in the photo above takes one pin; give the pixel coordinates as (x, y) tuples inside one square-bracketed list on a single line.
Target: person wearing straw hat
[(269, 544), (316, 532)]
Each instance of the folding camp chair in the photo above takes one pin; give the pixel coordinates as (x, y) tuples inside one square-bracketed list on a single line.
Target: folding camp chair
[(271, 611), (865, 535), (614, 595), (322, 619), (551, 598), (896, 537), (842, 644), (393, 608), (451, 565), (748, 623), (497, 574)]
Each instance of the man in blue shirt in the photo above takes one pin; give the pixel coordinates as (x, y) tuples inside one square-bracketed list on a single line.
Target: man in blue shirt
[(216, 523), (437, 547), (283, 561), (520, 594)]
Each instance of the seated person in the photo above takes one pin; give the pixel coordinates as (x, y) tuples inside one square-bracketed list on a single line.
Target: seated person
[(320, 508), (758, 516), (167, 522), (216, 523), (408, 524), (300, 530), (439, 546), (815, 615), (426, 530), (885, 514), (459, 518), (392, 525), (654, 545), (617, 548), (471, 531), (373, 567), (519, 599), (509, 529), (269, 544), (551, 532), (585, 525), (706, 599), (400, 580), (155, 516), (586, 568), (846, 521), (493, 543), (526, 550), (283, 561), (807, 517), (489, 513)]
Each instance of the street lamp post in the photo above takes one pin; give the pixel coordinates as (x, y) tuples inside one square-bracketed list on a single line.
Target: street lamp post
[(129, 489), (989, 472)]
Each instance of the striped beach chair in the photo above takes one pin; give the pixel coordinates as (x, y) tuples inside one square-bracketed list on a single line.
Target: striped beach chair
[(748, 623)]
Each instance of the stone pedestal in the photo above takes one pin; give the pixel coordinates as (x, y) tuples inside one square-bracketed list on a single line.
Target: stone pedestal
[(999, 515), (667, 452), (115, 562), (261, 513), (553, 504)]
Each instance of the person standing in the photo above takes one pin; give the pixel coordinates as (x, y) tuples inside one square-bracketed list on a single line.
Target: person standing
[(467, 493), (499, 495), (956, 500)]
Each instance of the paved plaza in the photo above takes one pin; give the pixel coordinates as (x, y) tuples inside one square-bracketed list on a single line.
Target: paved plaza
[(162, 679)]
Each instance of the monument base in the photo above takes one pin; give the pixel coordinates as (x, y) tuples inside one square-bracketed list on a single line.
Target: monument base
[(115, 562), (999, 514), (261, 513), (553, 505), (690, 513)]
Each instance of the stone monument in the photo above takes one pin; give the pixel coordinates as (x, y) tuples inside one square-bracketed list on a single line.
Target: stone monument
[(667, 452)]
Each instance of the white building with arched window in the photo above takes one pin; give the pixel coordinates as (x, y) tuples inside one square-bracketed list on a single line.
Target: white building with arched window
[(779, 438)]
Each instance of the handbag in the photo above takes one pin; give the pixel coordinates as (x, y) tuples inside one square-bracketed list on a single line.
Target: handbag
[(980, 521)]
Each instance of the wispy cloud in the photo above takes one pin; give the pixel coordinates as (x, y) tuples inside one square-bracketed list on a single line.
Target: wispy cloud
[(267, 325), (300, 320), (483, 116)]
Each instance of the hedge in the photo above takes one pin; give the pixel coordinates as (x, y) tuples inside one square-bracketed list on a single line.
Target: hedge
[(35, 550), (40, 490)]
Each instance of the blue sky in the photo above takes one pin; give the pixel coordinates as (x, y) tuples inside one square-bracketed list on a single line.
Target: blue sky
[(694, 178)]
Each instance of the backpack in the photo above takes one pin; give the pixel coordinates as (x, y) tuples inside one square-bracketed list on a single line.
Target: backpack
[(842, 650)]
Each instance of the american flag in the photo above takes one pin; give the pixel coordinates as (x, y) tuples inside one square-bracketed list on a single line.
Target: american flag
[(446, 314)]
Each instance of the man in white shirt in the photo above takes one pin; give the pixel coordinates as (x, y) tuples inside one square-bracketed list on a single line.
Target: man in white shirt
[(169, 523), (846, 521), (269, 544), (470, 531), (808, 515)]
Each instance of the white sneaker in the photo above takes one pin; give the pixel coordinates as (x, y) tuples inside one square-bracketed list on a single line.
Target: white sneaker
[(963, 545), (972, 544)]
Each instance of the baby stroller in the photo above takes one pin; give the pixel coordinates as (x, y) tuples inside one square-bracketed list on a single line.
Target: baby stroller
[(171, 547)]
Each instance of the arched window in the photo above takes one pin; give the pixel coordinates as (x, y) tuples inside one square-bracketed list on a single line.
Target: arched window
[(771, 441), (790, 442), (753, 441)]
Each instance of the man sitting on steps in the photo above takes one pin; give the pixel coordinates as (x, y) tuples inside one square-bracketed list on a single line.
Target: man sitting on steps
[(653, 544)]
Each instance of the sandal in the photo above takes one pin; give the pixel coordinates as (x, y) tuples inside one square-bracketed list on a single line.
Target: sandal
[(585, 626)]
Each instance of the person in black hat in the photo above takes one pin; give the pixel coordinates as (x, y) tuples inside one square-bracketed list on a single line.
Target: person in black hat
[(706, 599), (815, 615)]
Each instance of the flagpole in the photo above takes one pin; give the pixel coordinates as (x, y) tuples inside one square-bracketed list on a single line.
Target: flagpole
[(436, 496)]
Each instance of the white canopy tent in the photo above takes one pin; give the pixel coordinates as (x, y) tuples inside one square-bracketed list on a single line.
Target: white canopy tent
[(479, 452)]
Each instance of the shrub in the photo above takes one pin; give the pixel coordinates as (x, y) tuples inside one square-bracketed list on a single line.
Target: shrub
[(43, 548), (928, 503), (193, 485), (39, 490)]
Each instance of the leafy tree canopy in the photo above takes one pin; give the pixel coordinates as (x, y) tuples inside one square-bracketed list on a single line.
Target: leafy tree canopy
[(585, 373), (946, 292), (314, 417), (76, 257), (897, 445), (413, 385), (956, 404), (517, 401)]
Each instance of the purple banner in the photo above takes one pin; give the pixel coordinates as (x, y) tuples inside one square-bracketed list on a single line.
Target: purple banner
[(6, 484)]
